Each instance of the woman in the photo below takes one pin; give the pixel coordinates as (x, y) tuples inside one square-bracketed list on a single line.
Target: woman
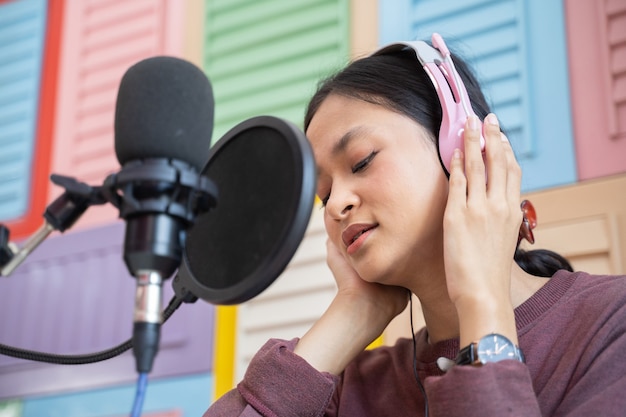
[(397, 224)]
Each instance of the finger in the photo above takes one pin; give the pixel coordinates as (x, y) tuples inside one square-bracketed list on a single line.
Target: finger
[(496, 159), (514, 173), (457, 184), (474, 164)]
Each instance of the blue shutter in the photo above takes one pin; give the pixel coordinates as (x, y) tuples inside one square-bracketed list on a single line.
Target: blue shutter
[(518, 51), (22, 31)]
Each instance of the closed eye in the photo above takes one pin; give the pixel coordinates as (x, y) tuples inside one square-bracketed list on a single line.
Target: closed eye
[(364, 163), (358, 167)]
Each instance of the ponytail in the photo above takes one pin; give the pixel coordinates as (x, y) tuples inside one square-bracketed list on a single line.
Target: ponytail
[(541, 262)]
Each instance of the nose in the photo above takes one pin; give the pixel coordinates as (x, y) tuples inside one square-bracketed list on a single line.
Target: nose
[(341, 202)]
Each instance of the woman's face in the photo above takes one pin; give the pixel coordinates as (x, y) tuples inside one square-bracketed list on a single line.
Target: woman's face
[(383, 187)]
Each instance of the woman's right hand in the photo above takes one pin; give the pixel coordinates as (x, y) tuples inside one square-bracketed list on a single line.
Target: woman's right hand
[(356, 317), (384, 300)]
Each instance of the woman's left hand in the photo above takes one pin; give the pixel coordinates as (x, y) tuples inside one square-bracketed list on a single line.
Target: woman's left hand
[(481, 225)]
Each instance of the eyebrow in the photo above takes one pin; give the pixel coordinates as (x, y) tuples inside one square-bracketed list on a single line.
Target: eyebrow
[(348, 137)]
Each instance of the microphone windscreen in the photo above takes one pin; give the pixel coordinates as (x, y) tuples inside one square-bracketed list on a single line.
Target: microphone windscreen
[(164, 109), (265, 174)]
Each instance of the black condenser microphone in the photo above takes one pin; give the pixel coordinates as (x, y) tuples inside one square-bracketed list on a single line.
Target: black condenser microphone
[(163, 127)]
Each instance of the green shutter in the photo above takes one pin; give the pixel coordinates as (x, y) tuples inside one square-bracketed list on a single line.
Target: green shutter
[(265, 57)]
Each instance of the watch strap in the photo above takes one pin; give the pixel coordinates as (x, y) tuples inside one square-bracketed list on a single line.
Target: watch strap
[(469, 354)]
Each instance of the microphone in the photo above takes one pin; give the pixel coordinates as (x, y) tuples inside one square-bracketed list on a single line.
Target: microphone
[(163, 126)]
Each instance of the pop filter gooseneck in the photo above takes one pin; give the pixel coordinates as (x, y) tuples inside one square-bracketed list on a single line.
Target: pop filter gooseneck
[(265, 172)]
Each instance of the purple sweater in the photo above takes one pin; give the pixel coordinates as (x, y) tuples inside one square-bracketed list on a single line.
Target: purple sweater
[(572, 332)]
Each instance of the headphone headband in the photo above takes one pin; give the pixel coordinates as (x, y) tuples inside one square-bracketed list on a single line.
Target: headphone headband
[(453, 97)]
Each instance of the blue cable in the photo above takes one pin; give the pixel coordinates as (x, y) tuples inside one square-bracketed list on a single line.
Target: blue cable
[(140, 394)]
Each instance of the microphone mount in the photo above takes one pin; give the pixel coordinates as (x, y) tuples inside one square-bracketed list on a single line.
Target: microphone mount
[(60, 215), (159, 199), (65, 210)]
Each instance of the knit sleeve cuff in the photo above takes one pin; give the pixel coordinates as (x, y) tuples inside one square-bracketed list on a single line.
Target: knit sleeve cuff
[(503, 388), (280, 383)]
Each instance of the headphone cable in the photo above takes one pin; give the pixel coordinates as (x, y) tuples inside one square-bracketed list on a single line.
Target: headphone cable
[(417, 378)]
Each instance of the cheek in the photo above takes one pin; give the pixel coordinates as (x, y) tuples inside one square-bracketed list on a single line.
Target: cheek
[(332, 229)]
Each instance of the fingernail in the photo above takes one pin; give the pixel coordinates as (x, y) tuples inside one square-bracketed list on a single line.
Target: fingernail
[(473, 123), (456, 154), (491, 119)]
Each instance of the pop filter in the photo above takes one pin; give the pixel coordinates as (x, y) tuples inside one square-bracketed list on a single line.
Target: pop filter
[(265, 173)]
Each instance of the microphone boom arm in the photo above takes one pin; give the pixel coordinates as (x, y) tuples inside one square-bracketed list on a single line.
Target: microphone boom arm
[(60, 215)]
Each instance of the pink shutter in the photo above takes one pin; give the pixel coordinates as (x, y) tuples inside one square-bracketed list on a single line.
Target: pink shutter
[(596, 31), (101, 39)]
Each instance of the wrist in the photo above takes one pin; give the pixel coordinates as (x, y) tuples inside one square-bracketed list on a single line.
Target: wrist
[(482, 316), (343, 331)]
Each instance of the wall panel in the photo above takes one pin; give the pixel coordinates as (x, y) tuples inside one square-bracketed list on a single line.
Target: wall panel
[(586, 223), (596, 31)]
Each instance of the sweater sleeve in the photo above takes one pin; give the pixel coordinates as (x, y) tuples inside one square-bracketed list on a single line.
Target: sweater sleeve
[(576, 354), (496, 389), (598, 381), (278, 383)]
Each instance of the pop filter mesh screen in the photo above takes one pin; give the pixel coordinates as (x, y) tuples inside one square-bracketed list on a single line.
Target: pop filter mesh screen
[(259, 188)]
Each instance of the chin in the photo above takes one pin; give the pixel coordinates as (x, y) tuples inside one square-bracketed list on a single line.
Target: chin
[(384, 276)]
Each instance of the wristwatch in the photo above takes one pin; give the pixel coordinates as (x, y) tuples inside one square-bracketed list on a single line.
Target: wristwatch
[(491, 348)]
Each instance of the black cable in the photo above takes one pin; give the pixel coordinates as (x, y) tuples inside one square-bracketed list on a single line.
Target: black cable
[(82, 359), (417, 378)]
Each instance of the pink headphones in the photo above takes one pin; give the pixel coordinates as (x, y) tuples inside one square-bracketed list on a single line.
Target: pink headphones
[(455, 103), (455, 109)]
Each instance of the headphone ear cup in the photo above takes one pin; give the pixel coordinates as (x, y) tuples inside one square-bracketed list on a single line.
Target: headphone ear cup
[(450, 135), (453, 98)]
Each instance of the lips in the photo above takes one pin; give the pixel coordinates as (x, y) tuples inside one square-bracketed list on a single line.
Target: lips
[(354, 231)]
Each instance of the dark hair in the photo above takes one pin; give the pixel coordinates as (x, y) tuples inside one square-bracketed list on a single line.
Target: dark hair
[(397, 82)]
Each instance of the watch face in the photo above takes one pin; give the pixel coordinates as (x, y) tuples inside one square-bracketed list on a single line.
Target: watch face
[(494, 348)]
